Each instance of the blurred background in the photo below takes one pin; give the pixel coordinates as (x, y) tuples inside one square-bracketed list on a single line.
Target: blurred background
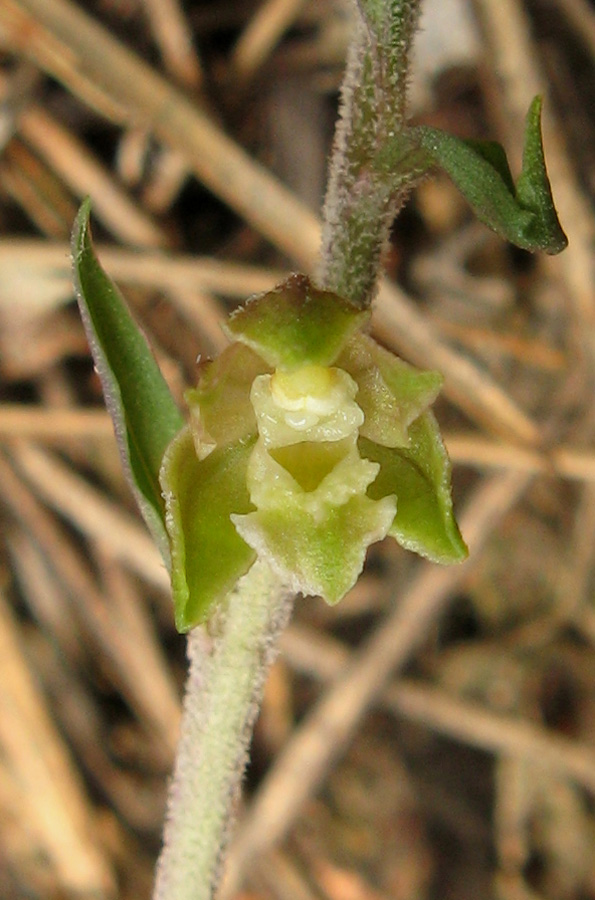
[(470, 772)]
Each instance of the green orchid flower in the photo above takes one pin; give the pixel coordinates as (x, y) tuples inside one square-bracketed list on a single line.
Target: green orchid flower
[(306, 443)]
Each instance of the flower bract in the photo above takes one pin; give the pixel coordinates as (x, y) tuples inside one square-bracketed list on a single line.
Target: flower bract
[(307, 442)]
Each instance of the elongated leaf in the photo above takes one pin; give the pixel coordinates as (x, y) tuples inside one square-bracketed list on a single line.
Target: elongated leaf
[(524, 215), (143, 411)]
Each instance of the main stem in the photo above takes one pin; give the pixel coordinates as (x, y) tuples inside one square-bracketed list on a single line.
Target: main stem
[(230, 657), (371, 170), (229, 660)]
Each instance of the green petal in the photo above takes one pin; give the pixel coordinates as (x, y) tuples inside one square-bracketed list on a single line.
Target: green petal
[(318, 557), (296, 324), (392, 394), (208, 555), (220, 408), (419, 476)]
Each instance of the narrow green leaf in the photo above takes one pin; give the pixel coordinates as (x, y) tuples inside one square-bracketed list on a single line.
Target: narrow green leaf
[(419, 477), (533, 190), (143, 411), (208, 555), (495, 155), (525, 215)]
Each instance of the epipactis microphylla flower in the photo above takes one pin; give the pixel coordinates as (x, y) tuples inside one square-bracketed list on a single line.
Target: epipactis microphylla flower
[(307, 442)]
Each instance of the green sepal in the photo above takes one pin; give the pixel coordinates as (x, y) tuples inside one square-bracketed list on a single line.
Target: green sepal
[(208, 555), (142, 408), (296, 324), (220, 408), (525, 215), (318, 556), (419, 476), (391, 393)]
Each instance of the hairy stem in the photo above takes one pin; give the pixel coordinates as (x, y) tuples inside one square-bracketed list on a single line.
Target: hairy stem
[(364, 193), (371, 173), (229, 660)]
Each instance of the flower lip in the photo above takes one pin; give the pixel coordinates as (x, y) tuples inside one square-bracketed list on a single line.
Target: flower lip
[(310, 463)]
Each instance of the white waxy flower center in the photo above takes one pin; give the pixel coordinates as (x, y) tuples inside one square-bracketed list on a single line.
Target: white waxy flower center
[(314, 403)]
